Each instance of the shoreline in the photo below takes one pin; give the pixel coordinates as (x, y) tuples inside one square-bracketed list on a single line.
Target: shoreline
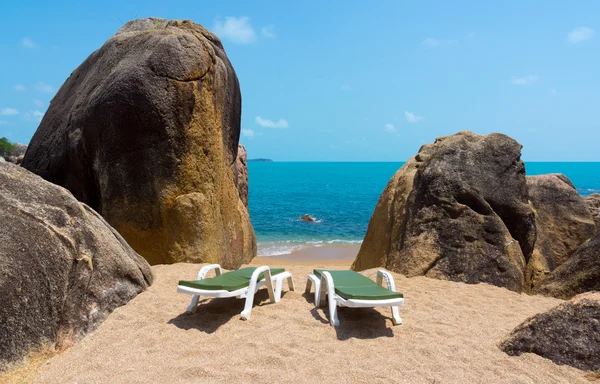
[(316, 253)]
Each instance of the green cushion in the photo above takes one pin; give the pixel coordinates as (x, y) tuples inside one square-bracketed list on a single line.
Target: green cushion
[(353, 285), (228, 281)]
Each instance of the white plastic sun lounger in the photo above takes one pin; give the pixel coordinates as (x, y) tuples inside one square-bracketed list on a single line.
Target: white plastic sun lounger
[(355, 291), (242, 283)]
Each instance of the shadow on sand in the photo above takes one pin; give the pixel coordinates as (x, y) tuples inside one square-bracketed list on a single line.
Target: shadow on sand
[(213, 313), (360, 323)]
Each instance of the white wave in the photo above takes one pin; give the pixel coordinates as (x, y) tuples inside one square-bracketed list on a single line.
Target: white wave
[(288, 246)]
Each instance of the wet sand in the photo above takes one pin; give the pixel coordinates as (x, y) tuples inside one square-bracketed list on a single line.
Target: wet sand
[(450, 335), (336, 253)]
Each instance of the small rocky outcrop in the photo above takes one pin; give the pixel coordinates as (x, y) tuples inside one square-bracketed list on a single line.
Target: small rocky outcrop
[(63, 269), (241, 174), (146, 131), (580, 273), (593, 203), (568, 334), (16, 154), (563, 224), (459, 211), (308, 218)]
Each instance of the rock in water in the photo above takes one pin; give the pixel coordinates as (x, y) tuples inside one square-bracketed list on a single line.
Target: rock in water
[(308, 218), (63, 269), (146, 132), (241, 174), (458, 210), (568, 334), (580, 273), (593, 203), (563, 224)]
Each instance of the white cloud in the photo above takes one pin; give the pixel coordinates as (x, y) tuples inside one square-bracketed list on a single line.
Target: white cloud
[(38, 103), (430, 42), (412, 118), (553, 91), (26, 42), (237, 30), (37, 115), (346, 87), (268, 31), (8, 112), (389, 128), (247, 132), (19, 87), (41, 86), (525, 80), (282, 123), (580, 34)]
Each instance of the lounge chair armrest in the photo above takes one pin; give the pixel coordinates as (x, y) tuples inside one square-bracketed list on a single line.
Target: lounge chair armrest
[(207, 268), (254, 281), (326, 287), (389, 279)]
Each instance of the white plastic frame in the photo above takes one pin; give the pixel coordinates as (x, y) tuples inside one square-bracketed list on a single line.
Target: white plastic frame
[(246, 292), (325, 286)]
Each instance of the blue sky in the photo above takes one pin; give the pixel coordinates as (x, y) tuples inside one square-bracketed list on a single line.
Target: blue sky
[(349, 80)]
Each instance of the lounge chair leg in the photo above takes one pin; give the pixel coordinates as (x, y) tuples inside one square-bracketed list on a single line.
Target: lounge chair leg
[(291, 285), (193, 307), (396, 319), (308, 285), (245, 315), (278, 289)]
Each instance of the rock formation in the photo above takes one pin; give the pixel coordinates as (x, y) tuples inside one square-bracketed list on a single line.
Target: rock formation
[(458, 210), (580, 273), (63, 269), (146, 132), (593, 203), (568, 334), (563, 224), (308, 218), (241, 174)]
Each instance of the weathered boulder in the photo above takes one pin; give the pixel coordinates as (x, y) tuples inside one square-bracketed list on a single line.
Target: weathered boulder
[(241, 174), (458, 210), (563, 224), (593, 203), (63, 269), (580, 273), (567, 334), (146, 132), (308, 218)]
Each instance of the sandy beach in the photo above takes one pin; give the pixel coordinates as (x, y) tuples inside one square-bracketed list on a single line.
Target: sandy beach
[(450, 335), (331, 253)]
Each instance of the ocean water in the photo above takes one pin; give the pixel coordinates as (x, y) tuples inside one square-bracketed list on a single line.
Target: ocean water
[(342, 197)]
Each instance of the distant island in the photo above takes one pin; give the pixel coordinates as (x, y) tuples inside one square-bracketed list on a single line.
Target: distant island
[(260, 160)]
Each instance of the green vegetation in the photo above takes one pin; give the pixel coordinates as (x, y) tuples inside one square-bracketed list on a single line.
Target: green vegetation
[(6, 147)]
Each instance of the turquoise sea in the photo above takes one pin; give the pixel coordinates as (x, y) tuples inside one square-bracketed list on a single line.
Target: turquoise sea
[(342, 197)]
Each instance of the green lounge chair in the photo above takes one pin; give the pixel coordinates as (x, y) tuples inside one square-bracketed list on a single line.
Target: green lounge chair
[(242, 283), (351, 289)]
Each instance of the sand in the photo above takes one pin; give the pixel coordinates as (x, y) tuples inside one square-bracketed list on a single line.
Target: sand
[(450, 335), (333, 253)]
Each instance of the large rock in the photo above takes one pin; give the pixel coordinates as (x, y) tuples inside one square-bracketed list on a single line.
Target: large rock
[(593, 203), (458, 210), (63, 269), (146, 132), (241, 174), (563, 224), (568, 334), (580, 273)]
